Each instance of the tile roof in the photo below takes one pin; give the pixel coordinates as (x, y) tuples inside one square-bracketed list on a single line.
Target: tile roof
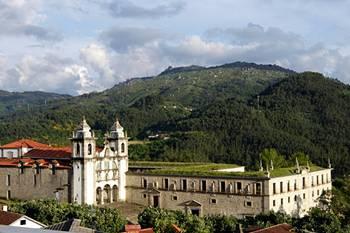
[(71, 225), (6, 218), (280, 228), (28, 162), (24, 143), (51, 153)]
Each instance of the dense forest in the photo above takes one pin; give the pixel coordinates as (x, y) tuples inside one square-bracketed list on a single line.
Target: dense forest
[(226, 113)]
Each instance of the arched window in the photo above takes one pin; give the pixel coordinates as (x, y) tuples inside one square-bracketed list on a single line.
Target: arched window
[(78, 149), (89, 149), (122, 147)]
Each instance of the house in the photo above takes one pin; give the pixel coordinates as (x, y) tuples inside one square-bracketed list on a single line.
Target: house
[(18, 220)]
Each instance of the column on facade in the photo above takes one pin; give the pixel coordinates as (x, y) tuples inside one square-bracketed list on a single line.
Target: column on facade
[(111, 195)]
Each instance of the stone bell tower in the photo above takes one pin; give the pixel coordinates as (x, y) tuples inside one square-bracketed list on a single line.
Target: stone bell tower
[(118, 142), (83, 155)]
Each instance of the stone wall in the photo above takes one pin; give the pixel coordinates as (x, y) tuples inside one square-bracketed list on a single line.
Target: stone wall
[(30, 185), (213, 200)]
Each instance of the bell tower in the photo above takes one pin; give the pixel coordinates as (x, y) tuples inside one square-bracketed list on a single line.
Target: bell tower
[(83, 155), (118, 142)]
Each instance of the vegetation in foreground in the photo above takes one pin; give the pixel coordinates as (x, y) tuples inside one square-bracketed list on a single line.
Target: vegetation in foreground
[(49, 212)]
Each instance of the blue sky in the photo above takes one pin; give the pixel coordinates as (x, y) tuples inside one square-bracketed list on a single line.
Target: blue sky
[(79, 46)]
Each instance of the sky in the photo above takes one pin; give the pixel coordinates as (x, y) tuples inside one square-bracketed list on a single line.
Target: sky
[(79, 46)]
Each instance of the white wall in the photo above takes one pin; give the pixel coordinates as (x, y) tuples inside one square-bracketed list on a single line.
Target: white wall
[(29, 223)]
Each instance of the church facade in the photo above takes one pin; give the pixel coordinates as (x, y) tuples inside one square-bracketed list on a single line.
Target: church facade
[(86, 174)]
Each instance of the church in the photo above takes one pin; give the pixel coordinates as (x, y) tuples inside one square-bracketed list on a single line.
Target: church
[(86, 174), (81, 173)]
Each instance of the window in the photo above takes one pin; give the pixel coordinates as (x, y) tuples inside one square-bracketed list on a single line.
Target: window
[(304, 196), (313, 194), (23, 222), (8, 180), (184, 185), (274, 188), (295, 184), (312, 181), (78, 150), (174, 198), (222, 186), (281, 201), (144, 195), (144, 183), (213, 201), (166, 183), (322, 179), (288, 186), (89, 149), (273, 203), (295, 198), (288, 199), (317, 180), (53, 169), (304, 183), (122, 147), (8, 194), (204, 186), (281, 187), (9, 154), (248, 204), (318, 192), (34, 180), (258, 189), (239, 186)]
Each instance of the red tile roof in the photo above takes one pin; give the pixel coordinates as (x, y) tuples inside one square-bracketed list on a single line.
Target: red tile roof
[(24, 143), (280, 228), (6, 218), (28, 162), (51, 153)]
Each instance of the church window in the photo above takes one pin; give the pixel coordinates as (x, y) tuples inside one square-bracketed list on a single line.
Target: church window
[(8, 180), (184, 185), (166, 183), (122, 147), (239, 186), (78, 150), (204, 186), (258, 189), (89, 149), (248, 204), (222, 186), (9, 154)]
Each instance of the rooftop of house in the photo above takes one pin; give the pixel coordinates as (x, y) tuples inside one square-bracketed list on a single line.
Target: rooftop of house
[(7, 218), (71, 225), (24, 143), (28, 162), (50, 153), (209, 169)]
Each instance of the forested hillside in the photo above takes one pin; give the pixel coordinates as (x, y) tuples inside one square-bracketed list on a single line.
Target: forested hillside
[(228, 113)]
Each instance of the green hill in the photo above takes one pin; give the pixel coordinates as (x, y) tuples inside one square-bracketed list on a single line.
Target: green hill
[(227, 113)]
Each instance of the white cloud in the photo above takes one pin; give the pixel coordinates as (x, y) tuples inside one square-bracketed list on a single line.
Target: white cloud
[(22, 18), (49, 73), (96, 57)]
